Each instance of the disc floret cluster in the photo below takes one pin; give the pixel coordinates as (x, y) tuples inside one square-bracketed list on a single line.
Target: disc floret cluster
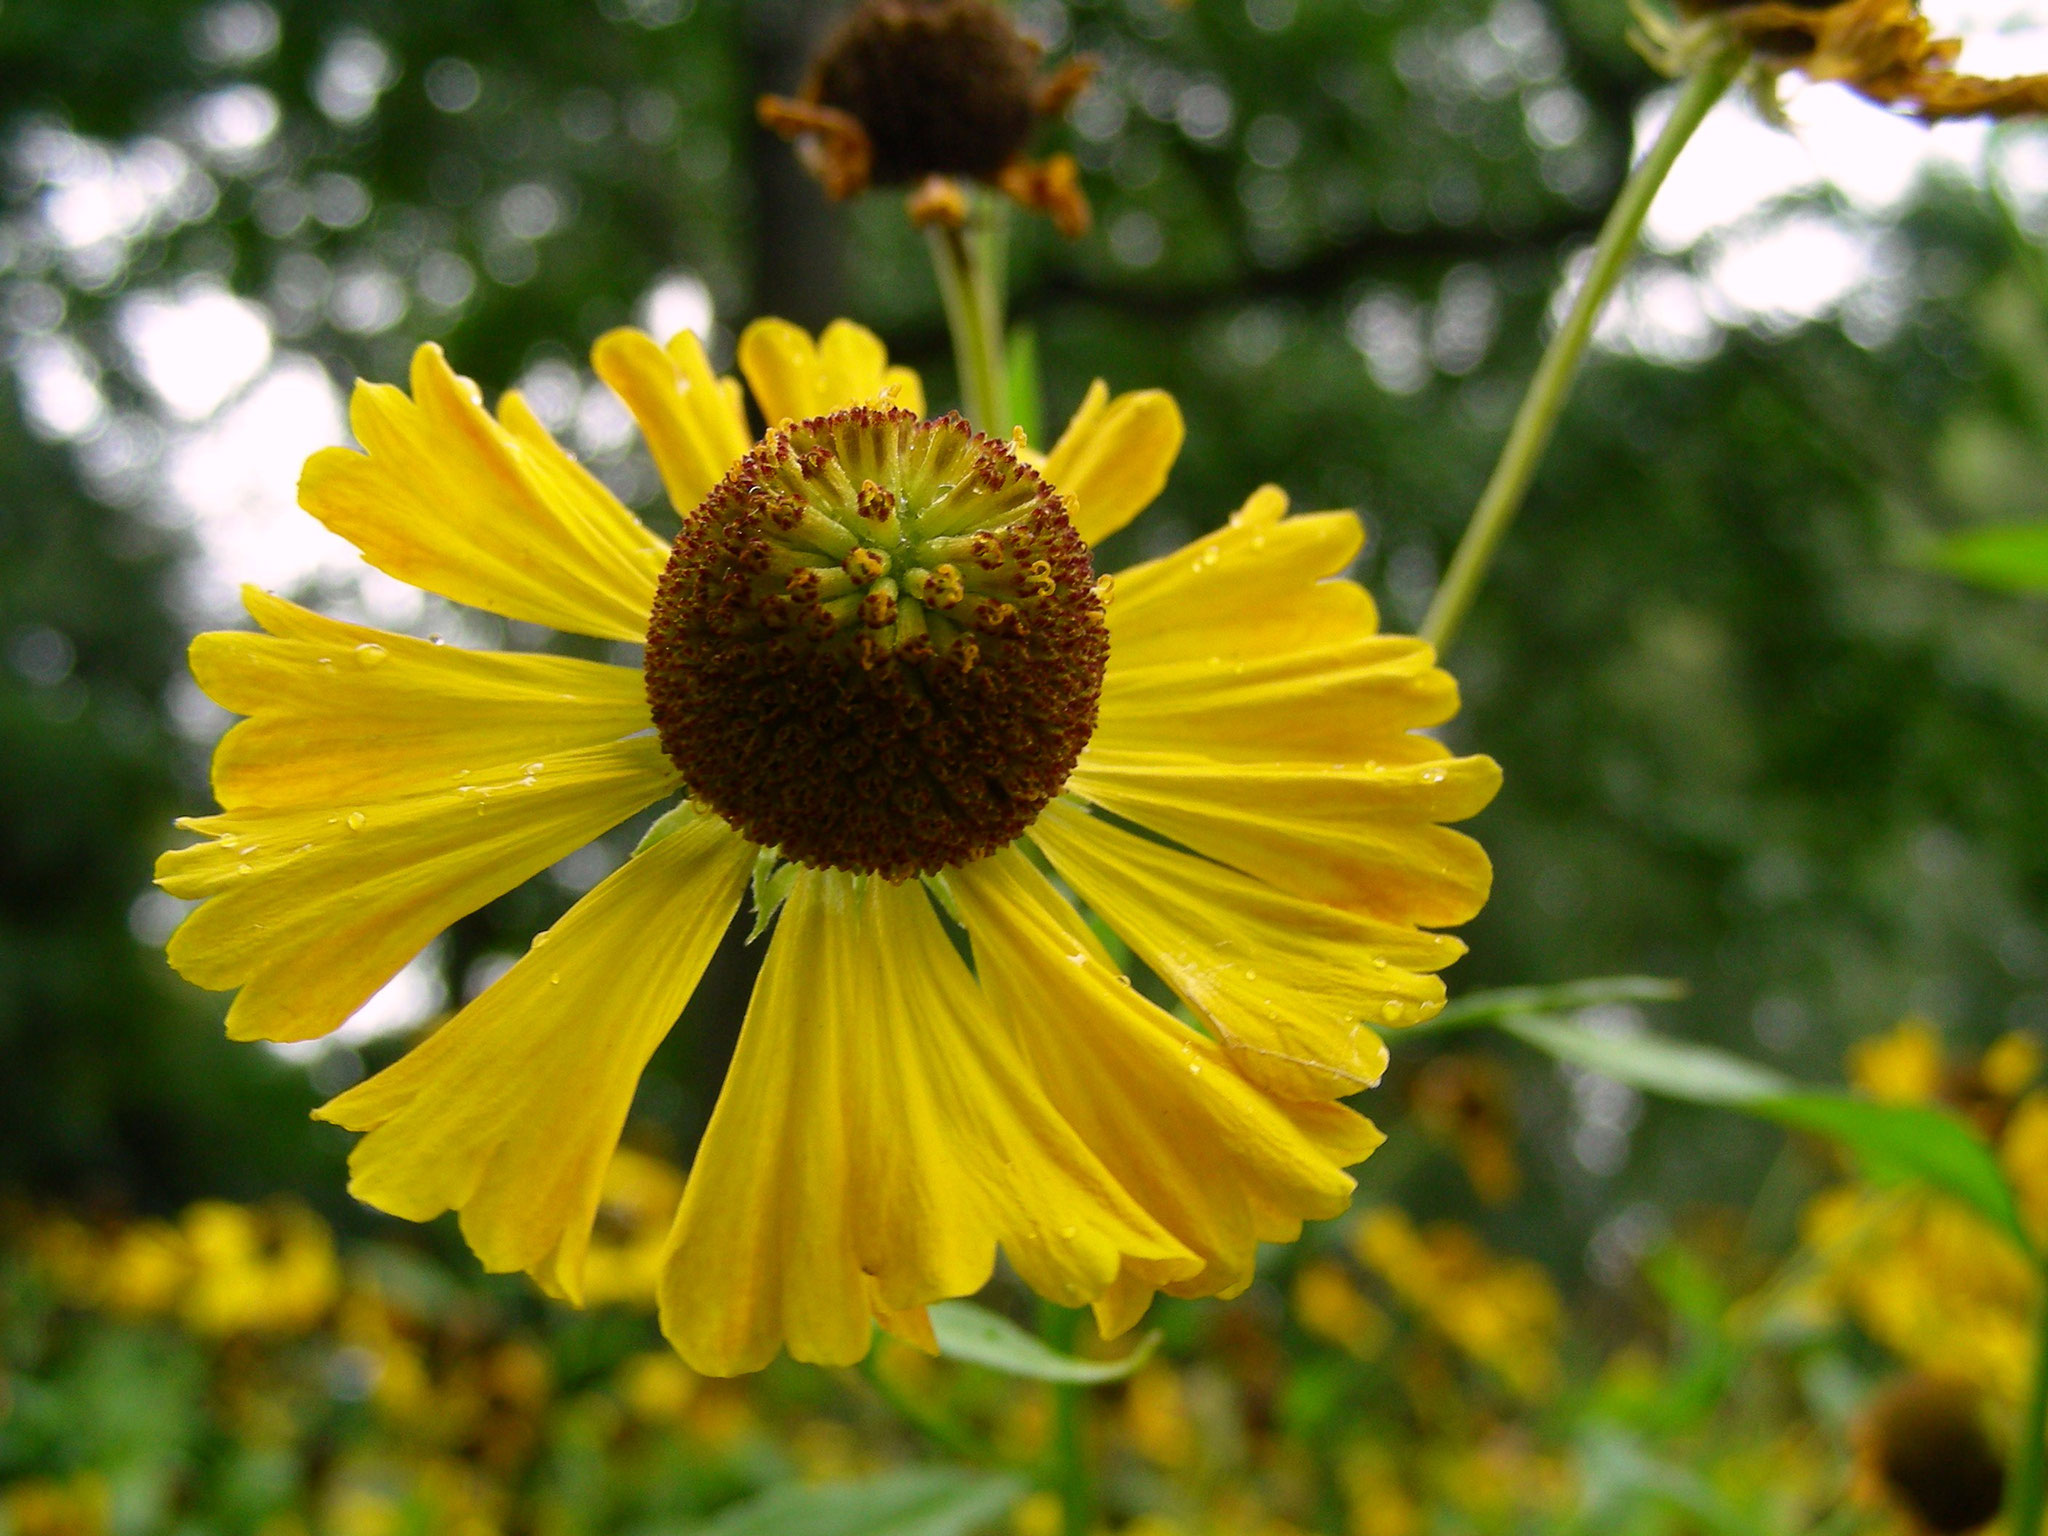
[(878, 644)]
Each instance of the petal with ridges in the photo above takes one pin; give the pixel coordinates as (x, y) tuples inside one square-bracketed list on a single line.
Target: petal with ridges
[(794, 378), (1216, 1161), (1360, 836), (1358, 700), (309, 911), (1112, 461), (877, 1136), (1256, 587), (1290, 987), (488, 512), (510, 1112), (340, 713), (693, 425)]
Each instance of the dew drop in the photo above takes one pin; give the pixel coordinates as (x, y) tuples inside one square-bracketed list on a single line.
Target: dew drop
[(357, 821), (532, 768), (435, 640), (1379, 962), (542, 937), (1433, 776), (1251, 975), (1077, 959), (1390, 1011), (245, 869), (371, 654), (554, 978)]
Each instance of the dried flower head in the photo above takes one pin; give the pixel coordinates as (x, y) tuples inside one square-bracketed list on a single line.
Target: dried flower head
[(921, 93), (1924, 1449), (1884, 50)]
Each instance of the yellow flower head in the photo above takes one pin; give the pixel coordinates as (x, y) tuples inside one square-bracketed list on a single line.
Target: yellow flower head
[(1882, 49), (882, 670), (1902, 1066)]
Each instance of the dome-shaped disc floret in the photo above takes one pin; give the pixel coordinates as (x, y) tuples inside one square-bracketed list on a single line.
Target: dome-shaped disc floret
[(877, 645)]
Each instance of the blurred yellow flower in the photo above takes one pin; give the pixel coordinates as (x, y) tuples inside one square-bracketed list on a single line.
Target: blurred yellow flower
[(271, 1270), (1929, 1279), (1901, 1066), (1155, 1416), (1503, 1313), (637, 1209), (1328, 1303), (80, 1505), (879, 659), (656, 1387)]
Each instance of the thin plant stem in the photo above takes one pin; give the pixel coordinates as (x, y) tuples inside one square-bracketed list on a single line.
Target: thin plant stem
[(1536, 420), (1069, 1475), (2027, 1492), (968, 262)]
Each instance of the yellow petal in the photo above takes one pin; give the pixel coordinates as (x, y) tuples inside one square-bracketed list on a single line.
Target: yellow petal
[(1218, 1163), (509, 1113), (694, 426), (310, 910), (1114, 457), (1362, 836), (1357, 700), (340, 713), (794, 378), (1290, 987), (490, 513), (1256, 587), (878, 1135)]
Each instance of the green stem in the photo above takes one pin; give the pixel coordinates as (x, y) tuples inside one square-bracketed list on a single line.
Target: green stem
[(1069, 1474), (1552, 385), (2027, 1493), (933, 1423), (969, 265)]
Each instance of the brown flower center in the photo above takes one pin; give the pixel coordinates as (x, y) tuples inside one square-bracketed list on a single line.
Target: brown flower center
[(877, 645)]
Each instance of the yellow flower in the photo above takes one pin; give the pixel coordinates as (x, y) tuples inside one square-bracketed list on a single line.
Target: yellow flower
[(1883, 49), (1502, 1312), (641, 1194), (258, 1271), (880, 661), (1901, 1067)]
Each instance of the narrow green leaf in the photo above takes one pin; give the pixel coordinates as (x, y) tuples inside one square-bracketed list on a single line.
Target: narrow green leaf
[(1565, 997), (665, 825), (916, 1501), (773, 881), (2011, 556), (1695, 1073), (1908, 1141), (1025, 400), (1891, 1141), (975, 1334)]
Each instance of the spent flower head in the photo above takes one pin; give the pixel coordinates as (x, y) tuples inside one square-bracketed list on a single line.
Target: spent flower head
[(926, 93)]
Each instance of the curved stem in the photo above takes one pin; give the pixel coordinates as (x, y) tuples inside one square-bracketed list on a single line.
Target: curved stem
[(1552, 385), (1069, 1476), (2027, 1493), (968, 262)]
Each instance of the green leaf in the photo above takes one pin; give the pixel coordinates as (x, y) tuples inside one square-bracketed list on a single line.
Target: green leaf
[(975, 1334), (2010, 556), (1890, 1141), (773, 881), (1695, 1073), (1908, 1141), (916, 1501), (1025, 402), (1566, 997)]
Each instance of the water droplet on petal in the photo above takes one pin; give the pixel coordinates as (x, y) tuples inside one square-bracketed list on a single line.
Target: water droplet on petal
[(533, 768), (554, 978), (371, 654), (357, 821), (1390, 1010), (245, 869), (1379, 962)]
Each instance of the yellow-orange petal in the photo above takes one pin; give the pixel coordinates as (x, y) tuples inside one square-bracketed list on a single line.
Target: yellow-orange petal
[(1361, 836), (510, 1112), (310, 910), (1291, 988), (1112, 461), (877, 1136), (341, 714), (1259, 586), (1213, 1159), (1354, 700), (694, 423), (794, 378), (488, 512)]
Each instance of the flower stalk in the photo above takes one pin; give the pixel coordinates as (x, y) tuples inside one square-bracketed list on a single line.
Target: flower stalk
[(2027, 1490), (968, 259), (1536, 420)]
